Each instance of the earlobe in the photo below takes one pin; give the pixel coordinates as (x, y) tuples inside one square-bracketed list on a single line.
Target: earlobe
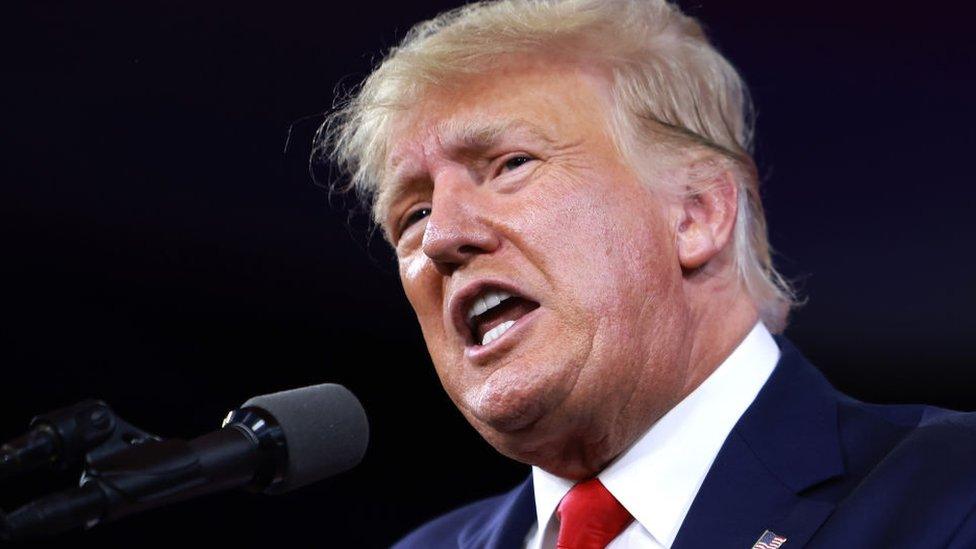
[(706, 218)]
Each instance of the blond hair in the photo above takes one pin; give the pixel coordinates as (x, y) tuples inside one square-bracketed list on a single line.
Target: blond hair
[(670, 86)]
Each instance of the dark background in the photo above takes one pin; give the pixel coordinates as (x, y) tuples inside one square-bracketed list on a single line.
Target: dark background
[(164, 251)]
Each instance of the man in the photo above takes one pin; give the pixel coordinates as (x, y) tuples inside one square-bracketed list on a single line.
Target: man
[(578, 227)]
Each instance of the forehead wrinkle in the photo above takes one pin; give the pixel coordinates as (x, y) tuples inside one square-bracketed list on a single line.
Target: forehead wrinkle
[(399, 183), (483, 134), (405, 165), (451, 137)]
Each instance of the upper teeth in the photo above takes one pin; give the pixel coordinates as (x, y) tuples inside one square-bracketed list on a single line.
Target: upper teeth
[(485, 302)]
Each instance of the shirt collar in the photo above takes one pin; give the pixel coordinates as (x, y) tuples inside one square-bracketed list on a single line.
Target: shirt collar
[(658, 477)]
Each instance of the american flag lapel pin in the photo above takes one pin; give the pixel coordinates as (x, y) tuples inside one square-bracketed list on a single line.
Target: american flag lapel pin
[(769, 540)]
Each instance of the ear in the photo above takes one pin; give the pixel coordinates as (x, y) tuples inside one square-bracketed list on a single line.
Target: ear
[(706, 217)]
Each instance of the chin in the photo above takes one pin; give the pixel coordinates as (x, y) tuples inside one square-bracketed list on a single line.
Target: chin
[(538, 425), (507, 407), (528, 445), (522, 424), (559, 453)]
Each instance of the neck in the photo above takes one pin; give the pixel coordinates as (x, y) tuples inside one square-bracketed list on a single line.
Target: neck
[(717, 332)]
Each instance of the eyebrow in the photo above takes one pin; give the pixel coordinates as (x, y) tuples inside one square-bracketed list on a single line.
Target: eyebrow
[(468, 135), (457, 137)]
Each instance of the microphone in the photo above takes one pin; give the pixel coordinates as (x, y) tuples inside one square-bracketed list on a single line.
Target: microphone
[(273, 444)]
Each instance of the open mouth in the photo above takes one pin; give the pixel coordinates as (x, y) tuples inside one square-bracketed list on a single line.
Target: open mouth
[(493, 312)]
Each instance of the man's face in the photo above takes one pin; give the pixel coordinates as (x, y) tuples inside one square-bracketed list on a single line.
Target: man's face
[(510, 188)]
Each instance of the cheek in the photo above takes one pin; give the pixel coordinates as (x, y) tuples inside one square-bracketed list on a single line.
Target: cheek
[(423, 287), (423, 291), (621, 275), (411, 268), (605, 253)]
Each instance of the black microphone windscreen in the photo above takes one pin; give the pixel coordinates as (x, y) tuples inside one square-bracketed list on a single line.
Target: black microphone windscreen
[(325, 428)]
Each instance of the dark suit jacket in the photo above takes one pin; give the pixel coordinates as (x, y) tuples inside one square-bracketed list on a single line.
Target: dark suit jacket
[(804, 461)]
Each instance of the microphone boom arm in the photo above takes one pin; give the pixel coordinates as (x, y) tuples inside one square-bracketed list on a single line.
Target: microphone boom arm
[(142, 477)]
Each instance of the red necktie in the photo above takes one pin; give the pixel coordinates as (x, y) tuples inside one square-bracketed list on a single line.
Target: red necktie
[(590, 517)]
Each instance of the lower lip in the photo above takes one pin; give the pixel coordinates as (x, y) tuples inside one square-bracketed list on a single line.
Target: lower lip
[(480, 354)]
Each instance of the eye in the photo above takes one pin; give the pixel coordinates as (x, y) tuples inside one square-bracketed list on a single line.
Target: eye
[(516, 162), (414, 217)]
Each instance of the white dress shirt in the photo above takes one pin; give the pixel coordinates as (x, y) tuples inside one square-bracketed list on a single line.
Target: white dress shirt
[(657, 478)]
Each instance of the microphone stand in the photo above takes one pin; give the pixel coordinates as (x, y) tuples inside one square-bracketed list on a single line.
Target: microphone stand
[(63, 437), (89, 430), (131, 471)]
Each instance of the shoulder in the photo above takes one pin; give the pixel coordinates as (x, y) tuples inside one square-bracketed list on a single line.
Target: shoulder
[(964, 422), (942, 444), (912, 477), (907, 440), (450, 529), (907, 428)]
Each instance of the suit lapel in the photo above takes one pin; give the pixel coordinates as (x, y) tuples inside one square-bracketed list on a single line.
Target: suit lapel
[(785, 443), (507, 525)]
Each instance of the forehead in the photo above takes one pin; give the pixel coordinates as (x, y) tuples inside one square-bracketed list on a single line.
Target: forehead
[(545, 100), (467, 131)]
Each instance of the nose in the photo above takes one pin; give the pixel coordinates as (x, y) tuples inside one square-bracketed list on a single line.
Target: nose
[(460, 227)]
